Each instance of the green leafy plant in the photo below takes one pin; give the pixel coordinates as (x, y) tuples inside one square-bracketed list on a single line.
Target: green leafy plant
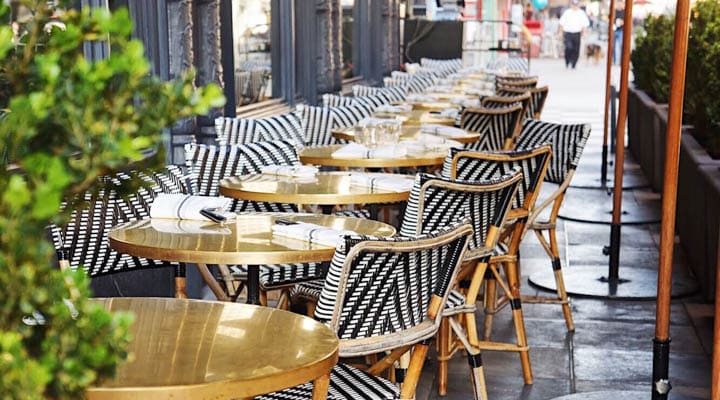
[(703, 74), (652, 57), (66, 121)]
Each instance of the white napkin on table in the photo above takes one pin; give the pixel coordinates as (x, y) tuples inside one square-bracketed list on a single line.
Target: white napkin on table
[(375, 121), (303, 171), (419, 98), (442, 130), (182, 206), (312, 233), (479, 92), (387, 108), (425, 143), (466, 102), (440, 89), (382, 181), (191, 227), (450, 112), (356, 150)]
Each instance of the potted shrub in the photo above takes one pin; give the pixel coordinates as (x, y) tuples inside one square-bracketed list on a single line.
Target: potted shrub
[(66, 121)]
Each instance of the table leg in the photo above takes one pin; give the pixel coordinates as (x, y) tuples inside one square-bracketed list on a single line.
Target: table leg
[(180, 282), (253, 284), (374, 211), (327, 208), (320, 387)]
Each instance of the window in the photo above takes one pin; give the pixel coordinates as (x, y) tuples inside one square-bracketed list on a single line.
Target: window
[(252, 59), (348, 39)]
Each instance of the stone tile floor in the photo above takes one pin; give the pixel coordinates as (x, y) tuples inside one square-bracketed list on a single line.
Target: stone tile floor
[(611, 348)]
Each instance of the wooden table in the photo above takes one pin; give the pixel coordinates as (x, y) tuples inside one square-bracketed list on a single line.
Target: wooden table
[(329, 189), (192, 349), (418, 117), (247, 240), (322, 155), (408, 133)]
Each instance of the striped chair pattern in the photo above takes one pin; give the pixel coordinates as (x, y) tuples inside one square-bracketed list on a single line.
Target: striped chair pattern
[(391, 94), (407, 293), (468, 165), (498, 101), (85, 233), (567, 142), (412, 83), (496, 126), (318, 122), (453, 64), (537, 98), (486, 203), (371, 102), (232, 131)]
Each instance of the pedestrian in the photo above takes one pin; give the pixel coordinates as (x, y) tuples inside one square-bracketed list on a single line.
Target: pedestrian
[(618, 33), (573, 24)]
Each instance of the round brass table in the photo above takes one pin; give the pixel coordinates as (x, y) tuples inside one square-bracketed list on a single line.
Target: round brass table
[(408, 133), (329, 188), (322, 155), (445, 96), (192, 349), (417, 117), (246, 240), (432, 105)]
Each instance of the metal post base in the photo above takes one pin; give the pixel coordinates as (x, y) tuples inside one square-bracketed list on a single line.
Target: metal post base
[(594, 206), (606, 395), (634, 283)]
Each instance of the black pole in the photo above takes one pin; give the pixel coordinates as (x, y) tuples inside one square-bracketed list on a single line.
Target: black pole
[(614, 266), (661, 363)]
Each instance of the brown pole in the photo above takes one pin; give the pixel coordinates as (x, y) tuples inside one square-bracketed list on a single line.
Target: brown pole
[(661, 343), (715, 391), (620, 146), (608, 78)]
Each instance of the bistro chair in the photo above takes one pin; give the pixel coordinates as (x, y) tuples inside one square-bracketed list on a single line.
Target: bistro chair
[(231, 130), (372, 102), (486, 202), (207, 165), (568, 142), (83, 240), (497, 101), (496, 126), (537, 98), (319, 122), (453, 64), (391, 94), (413, 83), (527, 83), (472, 166), (408, 280)]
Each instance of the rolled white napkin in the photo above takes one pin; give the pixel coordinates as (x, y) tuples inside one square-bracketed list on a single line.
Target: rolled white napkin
[(383, 182), (466, 102), (355, 150), (419, 98), (303, 171), (311, 233), (182, 206), (450, 112), (442, 130), (479, 92), (425, 143), (375, 121), (394, 109)]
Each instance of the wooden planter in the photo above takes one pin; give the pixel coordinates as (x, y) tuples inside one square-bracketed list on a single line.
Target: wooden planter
[(698, 204), (646, 135)]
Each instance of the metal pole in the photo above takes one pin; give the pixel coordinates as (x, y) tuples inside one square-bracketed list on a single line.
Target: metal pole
[(661, 342), (608, 94), (613, 275), (715, 390)]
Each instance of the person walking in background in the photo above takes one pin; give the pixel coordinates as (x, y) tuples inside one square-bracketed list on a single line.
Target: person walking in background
[(618, 33), (573, 24)]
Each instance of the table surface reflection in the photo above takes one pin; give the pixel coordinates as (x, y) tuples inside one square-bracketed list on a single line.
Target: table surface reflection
[(409, 133), (246, 240), (326, 188), (322, 155), (201, 349)]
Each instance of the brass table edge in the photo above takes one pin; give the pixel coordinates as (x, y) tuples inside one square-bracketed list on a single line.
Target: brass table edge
[(322, 199)]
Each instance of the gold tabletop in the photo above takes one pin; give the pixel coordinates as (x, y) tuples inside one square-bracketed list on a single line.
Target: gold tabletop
[(247, 240), (433, 105), (451, 95), (184, 349), (408, 133), (322, 155), (417, 117), (325, 189)]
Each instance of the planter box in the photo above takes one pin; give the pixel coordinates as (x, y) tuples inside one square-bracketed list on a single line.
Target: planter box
[(711, 175), (692, 210), (659, 133), (645, 121)]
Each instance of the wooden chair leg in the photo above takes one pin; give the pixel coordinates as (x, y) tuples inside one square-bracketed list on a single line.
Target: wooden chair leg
[(477, 375), (320, 387), (310, 308), (443, 355), (417, 360), (490, 302), (180, 282), (401, 371), (284, 299), (263, 298), (560, 282), (518, 320)]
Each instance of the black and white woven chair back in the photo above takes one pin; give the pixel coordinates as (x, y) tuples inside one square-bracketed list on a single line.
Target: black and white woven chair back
[(567, 142), (391, 94), (472, 166), (381, 286), (495, 126), (347, 116), (435, 200), (231, 130), (281, 127), (316, 123)]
